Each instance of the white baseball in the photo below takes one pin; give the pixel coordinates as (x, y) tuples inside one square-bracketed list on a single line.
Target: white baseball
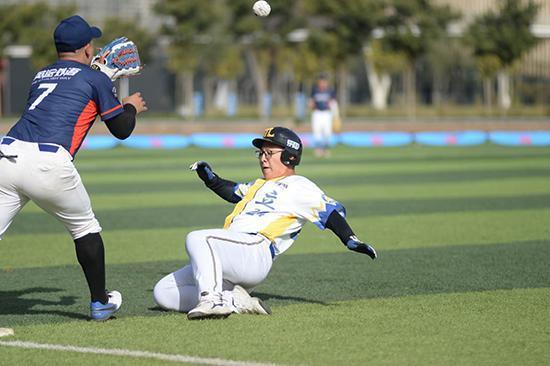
[(261, 8)]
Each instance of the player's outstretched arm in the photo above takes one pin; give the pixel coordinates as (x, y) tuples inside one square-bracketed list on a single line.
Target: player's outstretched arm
[(123, 124), (223, 188), (341, 228)]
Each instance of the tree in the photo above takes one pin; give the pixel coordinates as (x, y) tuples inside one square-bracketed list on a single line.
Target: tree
[(499, 39), (222, 63), (447, 58), (264, 40), (380, 65), (409, 28), (339, 31), (190, 32)]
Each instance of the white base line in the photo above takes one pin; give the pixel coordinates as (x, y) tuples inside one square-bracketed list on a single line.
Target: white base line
[(130, 353)]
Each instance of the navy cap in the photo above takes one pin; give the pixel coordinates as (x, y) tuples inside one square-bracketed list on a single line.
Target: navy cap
[(74, 33)]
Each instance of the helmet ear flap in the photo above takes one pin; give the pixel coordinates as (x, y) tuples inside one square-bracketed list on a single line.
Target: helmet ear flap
[(288, 158)]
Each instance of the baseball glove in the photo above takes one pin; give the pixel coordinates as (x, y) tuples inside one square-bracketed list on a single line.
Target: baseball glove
[(118, 58)]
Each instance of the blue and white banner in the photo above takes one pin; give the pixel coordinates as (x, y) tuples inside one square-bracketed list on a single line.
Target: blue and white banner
[(373, 139), (156, 141), (520, 138), (451, 138)]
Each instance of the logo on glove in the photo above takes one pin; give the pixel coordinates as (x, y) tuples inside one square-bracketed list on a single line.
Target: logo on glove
[(118, 58)]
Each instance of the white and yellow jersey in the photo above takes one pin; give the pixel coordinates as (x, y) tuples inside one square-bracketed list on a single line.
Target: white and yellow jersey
[(279, 208)]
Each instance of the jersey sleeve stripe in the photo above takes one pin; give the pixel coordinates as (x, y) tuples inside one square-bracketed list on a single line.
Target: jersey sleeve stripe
[(111, 110), (242, 203), (324, 214), (83, 125)]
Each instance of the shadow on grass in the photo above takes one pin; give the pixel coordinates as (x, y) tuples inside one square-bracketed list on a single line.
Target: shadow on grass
[(308, 278), (25, 302), (348, 276)]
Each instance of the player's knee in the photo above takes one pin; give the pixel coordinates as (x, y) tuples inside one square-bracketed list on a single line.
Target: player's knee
[(168, 294), (81, 229), (196, 236), (160, 294), (195, 241)]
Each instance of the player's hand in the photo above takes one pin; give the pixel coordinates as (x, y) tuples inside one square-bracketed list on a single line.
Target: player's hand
[(203, 170), (137, 101), (358, 246)]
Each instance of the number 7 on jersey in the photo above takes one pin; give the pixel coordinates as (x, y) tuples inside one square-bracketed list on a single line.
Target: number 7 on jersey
[(49, 88)]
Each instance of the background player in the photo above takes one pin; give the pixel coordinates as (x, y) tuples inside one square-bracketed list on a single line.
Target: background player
[(268, 217), (37, 153), (322, 103)]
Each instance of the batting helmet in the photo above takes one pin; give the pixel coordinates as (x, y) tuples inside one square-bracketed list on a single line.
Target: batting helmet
[(286, 139)]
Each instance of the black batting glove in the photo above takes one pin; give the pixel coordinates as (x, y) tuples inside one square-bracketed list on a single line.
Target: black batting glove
[(204, 171), (358, 246)]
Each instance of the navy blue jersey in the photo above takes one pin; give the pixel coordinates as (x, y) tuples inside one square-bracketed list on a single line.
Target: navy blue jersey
[(321, 98), (64, 101)]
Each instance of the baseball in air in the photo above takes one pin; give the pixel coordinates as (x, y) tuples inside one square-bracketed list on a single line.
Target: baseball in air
[(261, 8)]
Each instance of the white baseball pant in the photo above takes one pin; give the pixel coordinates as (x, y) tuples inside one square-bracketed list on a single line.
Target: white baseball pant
[(321, 125), (45, 174), (219, 260)]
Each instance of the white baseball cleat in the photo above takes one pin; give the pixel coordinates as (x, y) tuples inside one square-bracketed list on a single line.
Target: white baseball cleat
[(211, 306), (246, 304), (99, 311)]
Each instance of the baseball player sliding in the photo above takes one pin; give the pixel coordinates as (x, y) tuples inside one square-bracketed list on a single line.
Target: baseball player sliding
[(268, 217), (36, 156)]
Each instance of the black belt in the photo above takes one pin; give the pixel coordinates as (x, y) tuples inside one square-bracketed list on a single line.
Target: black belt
[(41, 146)]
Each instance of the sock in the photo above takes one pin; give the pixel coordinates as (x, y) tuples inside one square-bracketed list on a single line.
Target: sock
[(91, 256)]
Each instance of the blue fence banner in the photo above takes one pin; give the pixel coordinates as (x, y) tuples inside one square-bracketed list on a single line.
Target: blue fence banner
[(354, 139), (309, 141), (451, 138), (98, 142), (369, 139), (520, 138), (156, 141)]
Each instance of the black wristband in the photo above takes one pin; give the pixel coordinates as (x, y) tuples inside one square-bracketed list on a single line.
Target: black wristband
[(339, 226)]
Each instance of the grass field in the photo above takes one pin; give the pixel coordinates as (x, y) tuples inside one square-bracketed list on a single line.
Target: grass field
[(463, 276)]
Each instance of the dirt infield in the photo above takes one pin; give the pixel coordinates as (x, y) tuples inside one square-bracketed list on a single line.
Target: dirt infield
[(155, 126)]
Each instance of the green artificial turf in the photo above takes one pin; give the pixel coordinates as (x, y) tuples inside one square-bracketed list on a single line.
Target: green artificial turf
[(463, 236)]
